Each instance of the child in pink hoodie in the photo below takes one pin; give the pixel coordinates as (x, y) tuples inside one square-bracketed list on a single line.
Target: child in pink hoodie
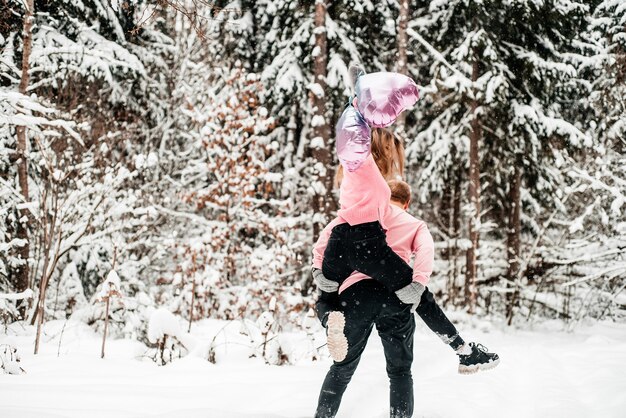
[(359, 230), (357, 241)]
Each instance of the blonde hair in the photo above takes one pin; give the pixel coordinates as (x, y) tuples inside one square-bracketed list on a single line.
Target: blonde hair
[(400, 191), (388, 152)]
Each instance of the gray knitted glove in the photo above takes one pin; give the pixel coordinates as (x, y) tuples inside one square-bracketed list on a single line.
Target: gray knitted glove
[(323, 283), (411, 294)]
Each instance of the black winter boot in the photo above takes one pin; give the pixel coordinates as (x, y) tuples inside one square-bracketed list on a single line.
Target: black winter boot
[(478, 359)]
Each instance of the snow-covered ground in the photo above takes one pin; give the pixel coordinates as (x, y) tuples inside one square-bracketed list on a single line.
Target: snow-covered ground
[(544, 372)]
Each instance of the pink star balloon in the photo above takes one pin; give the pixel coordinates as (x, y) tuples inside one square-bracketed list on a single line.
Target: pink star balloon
[(382, 96), (353, 139)]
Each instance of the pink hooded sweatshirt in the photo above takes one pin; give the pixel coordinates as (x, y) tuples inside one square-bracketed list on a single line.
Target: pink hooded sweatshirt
[(407, 237), (364, 195)]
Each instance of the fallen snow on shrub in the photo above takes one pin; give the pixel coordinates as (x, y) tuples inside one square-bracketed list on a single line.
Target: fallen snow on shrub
[(163, 322)]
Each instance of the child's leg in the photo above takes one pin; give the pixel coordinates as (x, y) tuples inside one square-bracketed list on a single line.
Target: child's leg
[(432, 315), (335, 265), (329, 313), (370, 254), (326, 303), (364, 248), (472, 357)]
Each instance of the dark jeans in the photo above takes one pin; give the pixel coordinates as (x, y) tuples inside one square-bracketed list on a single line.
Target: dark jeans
[(428, 310), (367, 304), (364, 248)]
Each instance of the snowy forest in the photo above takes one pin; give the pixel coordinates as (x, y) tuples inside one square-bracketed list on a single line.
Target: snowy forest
[(170, 162), (187, 147)]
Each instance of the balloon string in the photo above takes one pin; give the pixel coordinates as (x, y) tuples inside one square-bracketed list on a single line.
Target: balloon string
[(436, 54)]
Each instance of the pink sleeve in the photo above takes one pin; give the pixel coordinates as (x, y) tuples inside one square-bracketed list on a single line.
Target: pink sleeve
[(320, 245), (424, 250)]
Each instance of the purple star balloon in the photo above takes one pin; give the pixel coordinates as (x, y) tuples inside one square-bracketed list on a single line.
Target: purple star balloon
[(382, 96), (353, 139)]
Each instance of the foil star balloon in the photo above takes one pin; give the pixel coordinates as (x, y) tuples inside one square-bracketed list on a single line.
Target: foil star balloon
[(382, 96), (353, 139)]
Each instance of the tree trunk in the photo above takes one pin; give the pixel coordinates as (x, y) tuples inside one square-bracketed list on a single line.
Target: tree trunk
[(46, 243), (447, 213), (474, 199), (163, 341), (193, 291), (402, 63), (40, 308), (514, 242), (323, 203), (106, 325), (456, 233), (21, 277)]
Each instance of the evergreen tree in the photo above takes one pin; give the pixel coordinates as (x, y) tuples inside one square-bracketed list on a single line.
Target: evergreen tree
[(608, 32), (496, 101), (192, 142)]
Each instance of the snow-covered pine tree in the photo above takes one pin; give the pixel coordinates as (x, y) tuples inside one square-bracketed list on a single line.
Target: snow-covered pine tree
[(88, 94), (496, 101), (23, 270), (582, 262), (322, 174), (538, 128), (237, 242), (66, 292), (278, 40), (608, 32), (460, 51), (402, 63), (121, 103)]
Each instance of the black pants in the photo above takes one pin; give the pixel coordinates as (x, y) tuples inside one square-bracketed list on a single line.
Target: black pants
[(364, 248), (367, 304), (430, 312)]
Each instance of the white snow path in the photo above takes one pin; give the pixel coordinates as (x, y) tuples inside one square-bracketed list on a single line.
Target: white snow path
[(543, 373)]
